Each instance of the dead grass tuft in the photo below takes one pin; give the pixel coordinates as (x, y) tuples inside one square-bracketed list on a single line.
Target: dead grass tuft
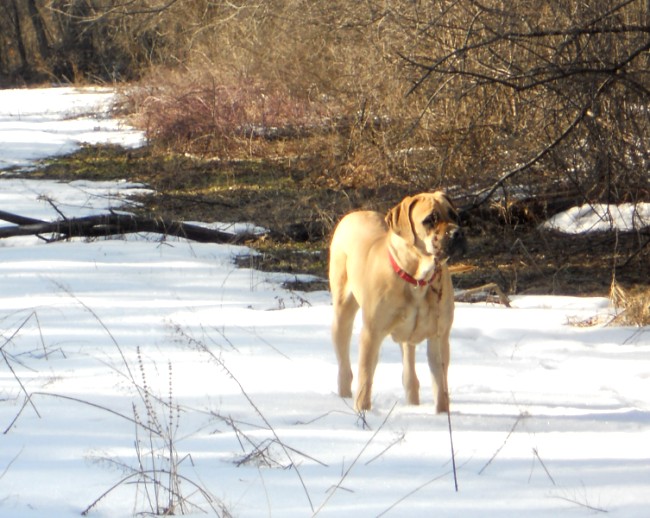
[(632, 305)]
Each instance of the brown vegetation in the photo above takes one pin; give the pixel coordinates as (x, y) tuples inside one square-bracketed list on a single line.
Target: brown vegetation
[(551, 96), (518, 109)]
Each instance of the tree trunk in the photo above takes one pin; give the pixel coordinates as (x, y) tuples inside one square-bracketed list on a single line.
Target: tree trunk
[(22, 52), (40, 30)]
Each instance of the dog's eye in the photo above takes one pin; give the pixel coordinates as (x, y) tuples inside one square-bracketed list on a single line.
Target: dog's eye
[(430, 220)]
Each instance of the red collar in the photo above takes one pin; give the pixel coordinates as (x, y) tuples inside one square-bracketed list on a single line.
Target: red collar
[(406, 276)]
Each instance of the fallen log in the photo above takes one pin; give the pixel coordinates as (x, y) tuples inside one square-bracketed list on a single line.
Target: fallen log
[(18, 220), (113, 223)]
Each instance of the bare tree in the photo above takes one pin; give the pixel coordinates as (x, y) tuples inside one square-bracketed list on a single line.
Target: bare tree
[(552, 94)]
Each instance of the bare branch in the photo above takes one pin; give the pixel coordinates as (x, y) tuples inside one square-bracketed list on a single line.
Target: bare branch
[(486, 194)]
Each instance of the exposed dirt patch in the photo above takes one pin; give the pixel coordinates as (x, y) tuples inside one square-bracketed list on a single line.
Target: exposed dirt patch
[(296, 200)]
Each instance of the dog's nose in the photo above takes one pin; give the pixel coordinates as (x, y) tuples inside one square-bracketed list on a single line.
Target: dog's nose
[(457, 242)]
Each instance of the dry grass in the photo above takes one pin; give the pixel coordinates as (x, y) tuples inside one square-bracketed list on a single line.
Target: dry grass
[(632, 305)]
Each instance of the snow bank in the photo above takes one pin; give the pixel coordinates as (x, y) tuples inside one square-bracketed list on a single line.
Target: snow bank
[(40, 123), (599, 217)]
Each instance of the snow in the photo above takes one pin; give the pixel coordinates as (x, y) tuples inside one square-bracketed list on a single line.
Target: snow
[(547, 417), (600, 217), (40, 123)]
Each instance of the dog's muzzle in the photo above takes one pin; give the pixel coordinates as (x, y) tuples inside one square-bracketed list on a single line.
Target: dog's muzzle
[(456, 244)]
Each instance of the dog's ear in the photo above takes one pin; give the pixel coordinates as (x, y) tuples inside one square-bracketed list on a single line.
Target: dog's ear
[(449, 200), (399, 220), (453, 214)]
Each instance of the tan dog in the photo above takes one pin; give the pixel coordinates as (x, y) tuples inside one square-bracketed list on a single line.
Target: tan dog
[(395, 269)]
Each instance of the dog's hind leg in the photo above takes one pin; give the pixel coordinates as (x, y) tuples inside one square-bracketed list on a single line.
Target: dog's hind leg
[(345, 310), (369, 346), (344, 313), (409, 376)]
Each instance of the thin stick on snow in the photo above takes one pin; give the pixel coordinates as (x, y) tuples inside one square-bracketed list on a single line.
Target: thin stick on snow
[(582, 504), (8, 466), (419, 488), (548, 474), (451, 436), (396, 441), (347, 471), (453, 454), (5, 357), (502, 445)]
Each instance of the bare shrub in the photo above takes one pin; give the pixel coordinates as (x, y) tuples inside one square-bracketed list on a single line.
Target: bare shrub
[(199, 113), (317, 79)]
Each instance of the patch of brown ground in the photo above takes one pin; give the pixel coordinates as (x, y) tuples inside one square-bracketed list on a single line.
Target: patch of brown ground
[(300, 203)]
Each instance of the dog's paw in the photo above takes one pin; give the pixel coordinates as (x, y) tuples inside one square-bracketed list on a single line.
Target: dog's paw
[(361, 420)]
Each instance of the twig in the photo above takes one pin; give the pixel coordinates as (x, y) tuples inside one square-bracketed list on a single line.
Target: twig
[(223, 366), (54, 206), (453, 453), (8, 466), (582, 504), (381, 453), (498, 450), (28, 396), (544, 466), (40, 334), (451, 437), (318, 418), (419, 488), (5, 357), (347, 471), (97, 406), (361, 420)]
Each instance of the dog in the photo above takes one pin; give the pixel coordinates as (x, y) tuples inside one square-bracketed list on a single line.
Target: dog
[(395, 269)]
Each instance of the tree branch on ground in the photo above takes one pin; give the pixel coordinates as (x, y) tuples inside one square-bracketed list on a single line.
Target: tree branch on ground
[(114, 223)]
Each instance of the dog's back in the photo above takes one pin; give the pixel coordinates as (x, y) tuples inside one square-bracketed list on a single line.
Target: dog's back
[(354, 239)]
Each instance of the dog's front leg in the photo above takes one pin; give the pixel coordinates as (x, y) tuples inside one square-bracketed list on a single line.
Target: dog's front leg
[(409, 376), (368, 357), (438, 357)]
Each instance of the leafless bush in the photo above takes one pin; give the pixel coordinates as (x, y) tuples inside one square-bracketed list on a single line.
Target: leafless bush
[(199, 113), (318, 79)]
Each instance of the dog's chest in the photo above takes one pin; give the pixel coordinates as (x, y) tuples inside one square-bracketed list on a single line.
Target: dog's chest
[(414, 323)]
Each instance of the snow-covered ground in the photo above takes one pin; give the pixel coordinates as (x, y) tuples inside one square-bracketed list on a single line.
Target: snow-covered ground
[(548, 417), (40, 123)]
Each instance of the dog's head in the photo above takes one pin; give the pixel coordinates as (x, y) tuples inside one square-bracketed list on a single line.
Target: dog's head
[(428, 221)]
